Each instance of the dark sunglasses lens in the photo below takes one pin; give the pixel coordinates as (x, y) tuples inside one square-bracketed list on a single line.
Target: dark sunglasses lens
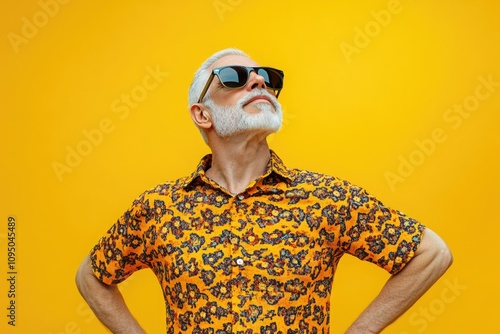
[(233, 77), (272, 78)]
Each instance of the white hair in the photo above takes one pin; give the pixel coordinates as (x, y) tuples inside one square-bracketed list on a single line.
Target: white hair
[(201, 77), (202, 74)]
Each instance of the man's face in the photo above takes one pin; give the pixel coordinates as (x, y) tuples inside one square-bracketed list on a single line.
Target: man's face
[(249, 108)]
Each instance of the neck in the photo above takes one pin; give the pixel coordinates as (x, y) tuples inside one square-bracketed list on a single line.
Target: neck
[(235, 164)]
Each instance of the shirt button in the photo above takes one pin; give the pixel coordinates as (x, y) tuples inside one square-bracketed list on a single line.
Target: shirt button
[(240, 262), (241, 197)]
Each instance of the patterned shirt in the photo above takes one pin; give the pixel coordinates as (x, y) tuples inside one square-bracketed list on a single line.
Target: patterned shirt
[(262, 261)]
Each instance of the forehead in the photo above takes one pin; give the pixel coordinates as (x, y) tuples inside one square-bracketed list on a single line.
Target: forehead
[(233, 60)]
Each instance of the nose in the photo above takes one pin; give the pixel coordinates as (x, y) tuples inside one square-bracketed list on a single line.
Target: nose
[(256, 81)]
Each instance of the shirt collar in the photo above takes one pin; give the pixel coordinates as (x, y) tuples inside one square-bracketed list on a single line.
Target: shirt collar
[(275, 165)]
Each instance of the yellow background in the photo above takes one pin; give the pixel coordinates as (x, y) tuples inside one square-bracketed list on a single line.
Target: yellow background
[(358, 115)]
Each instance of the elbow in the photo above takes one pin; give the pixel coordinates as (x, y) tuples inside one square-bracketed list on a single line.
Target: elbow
[(447, 257), (82, 274), (436, 252), (439, 250), (443, 259), (78, 279)]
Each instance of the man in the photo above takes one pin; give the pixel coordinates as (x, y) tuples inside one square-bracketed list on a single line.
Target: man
[(246, 245)]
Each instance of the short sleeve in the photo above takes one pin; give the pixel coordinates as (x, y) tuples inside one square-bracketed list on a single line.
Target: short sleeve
[(120, 252), (378, 234)]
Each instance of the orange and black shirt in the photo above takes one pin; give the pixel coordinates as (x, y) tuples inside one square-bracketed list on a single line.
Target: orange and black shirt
[(262, 261)]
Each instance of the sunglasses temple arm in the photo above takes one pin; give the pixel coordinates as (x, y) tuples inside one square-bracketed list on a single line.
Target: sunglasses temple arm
[(205, 89)]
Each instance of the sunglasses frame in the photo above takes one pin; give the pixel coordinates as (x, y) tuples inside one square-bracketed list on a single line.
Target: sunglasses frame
[(215, 72)]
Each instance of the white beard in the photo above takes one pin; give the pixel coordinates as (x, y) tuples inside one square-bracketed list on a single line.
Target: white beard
[(232, 120)]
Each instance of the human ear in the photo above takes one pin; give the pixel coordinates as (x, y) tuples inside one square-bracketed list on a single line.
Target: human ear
[(200, 115)]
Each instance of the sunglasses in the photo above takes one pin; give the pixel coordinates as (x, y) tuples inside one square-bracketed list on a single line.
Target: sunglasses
[(236, 76)]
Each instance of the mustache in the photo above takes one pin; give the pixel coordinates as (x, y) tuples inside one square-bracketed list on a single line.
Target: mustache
[(258, 92)]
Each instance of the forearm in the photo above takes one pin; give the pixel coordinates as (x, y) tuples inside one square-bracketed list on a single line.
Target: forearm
[(106, 302), (403, 289)]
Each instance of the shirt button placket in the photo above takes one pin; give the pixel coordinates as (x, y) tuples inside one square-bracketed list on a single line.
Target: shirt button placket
[(237, 260)]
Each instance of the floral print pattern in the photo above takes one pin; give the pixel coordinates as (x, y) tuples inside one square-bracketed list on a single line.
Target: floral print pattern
[(259, 262)]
